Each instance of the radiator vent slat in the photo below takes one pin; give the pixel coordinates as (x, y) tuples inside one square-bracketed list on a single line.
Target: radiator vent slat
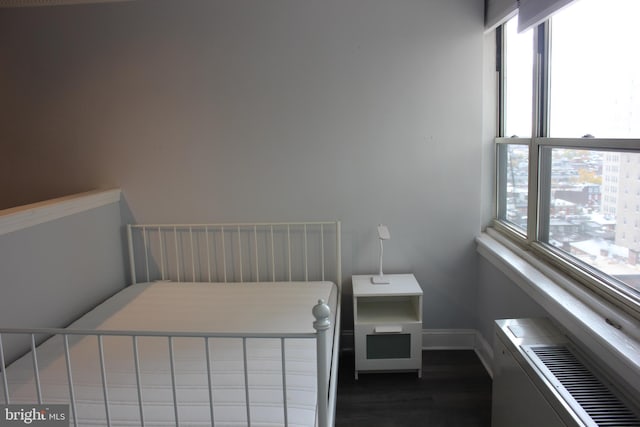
[(580, 386)]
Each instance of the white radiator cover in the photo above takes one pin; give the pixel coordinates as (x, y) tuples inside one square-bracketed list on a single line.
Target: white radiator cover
[(526, 393)]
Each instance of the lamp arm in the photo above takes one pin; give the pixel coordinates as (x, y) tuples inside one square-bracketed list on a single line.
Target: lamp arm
[(381, 252)]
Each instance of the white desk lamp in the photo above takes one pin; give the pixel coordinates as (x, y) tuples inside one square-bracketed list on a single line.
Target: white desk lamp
[(383, 234)]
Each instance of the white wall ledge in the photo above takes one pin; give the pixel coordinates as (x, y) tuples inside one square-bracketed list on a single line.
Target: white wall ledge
[(22, 217), (580, 312)]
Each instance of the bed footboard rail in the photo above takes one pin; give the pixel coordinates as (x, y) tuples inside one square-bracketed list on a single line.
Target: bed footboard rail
[(235, 252), (65, 357)]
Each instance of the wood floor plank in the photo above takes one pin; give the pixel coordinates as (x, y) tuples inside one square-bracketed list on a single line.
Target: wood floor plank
[(455, 390)]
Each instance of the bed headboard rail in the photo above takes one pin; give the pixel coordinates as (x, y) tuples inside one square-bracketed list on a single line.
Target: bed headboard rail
[(242, 252)]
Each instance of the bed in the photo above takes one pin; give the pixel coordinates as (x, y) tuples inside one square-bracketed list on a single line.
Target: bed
[(224, 324)]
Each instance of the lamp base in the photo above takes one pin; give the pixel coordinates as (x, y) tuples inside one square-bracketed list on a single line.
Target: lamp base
[(380, 280)]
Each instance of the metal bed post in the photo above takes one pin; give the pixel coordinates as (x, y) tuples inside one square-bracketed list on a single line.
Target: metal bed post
[(321, 312)]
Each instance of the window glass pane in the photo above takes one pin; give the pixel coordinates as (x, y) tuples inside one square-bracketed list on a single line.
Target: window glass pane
[(594, 210), (518, 80), (595, 70), (515, 184)]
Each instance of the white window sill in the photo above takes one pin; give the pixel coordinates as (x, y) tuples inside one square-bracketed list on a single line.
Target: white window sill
[(580, 312), (21, 217)]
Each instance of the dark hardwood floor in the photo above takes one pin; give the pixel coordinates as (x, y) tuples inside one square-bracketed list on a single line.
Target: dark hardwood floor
[(455, 390)]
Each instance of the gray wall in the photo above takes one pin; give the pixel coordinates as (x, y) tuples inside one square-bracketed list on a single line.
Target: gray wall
[(55, 271), (500, 298), (363, 110)]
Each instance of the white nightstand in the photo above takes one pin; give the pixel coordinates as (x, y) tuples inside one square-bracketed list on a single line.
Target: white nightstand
[(387, 323)]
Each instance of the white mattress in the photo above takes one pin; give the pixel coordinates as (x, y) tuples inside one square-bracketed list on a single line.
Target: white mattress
[(188, 307)]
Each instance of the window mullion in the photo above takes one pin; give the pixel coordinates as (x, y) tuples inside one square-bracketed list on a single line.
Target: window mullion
[(541, 81), (500, 110), (544, 190), (533, 200), (539, 165)]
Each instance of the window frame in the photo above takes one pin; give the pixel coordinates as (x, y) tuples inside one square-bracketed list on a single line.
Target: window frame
[(539, 178)]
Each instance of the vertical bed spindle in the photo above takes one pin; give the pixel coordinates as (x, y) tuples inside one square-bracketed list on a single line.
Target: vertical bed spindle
[(289, 248), (273, 258), (3, 365), (72, 394), (136, 364), (284, 383), (161, 253), (322, 249), (240, 254), (103, 374), (224, 255), (173, 381), (246, 380), (175, 242), (206, 236), (36, 370), (306, 260), (255, 241), (210, 385), (146, 252), (193, 255)]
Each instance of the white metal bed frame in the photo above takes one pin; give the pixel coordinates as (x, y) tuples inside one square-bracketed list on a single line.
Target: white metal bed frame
[(245, 250)]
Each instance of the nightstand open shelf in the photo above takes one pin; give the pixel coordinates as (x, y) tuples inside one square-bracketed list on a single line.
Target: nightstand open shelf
[(388, 309), (387, 324)]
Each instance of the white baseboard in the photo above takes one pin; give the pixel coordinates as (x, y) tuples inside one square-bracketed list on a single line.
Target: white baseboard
[(484, 350), (444, 339)]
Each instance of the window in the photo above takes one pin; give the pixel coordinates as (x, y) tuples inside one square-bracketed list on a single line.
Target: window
[(513, 185), (569, 143), (518, 75), (595, 70), (516, 120)]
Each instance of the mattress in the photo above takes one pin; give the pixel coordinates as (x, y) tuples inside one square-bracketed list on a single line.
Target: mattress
[(247, 308)]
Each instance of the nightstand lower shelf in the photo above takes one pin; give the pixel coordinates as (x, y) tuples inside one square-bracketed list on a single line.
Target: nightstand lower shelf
[(388, 351)]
